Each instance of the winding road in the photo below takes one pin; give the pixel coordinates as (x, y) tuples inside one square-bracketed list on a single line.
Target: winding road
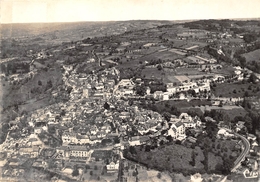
[(243, 153)]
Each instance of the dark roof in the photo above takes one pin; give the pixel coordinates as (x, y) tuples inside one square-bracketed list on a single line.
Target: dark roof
[(178, 124), (144, 138)]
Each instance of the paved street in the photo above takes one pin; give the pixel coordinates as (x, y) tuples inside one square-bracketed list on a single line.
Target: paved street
[(243, 153)]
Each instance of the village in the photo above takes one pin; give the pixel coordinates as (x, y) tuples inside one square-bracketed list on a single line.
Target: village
[(106, 107)]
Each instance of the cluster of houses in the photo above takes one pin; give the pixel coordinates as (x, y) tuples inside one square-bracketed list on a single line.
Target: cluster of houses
[(124, 88), (185, 86), (96, 86), (180, 124)]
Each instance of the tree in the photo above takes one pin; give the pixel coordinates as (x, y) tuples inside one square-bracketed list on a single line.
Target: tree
[(51, 129), (75, 172), (161, 142), (246, 94), (40, 83), (252, 78), (167, 116), (159, 67), (159, 175), (132, 150), (211, 129), (220, 104), (69, 89), (106, 106), (5, 128), (248, 123), (49, 85), (147, 148), (135, 172), (250, 37), (141, 90), (63, 112), (192, 92), (193, 162), (116, 140), (169, 138), (242, 61)]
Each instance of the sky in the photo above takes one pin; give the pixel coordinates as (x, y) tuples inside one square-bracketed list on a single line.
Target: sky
[(32, 11)]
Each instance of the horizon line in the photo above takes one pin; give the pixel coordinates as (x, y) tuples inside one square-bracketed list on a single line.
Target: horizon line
[(236, 19)]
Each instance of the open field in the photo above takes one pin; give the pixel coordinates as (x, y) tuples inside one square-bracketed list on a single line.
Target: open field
[(181, 104), (253, 56), (200, 44), (75, 30), (153, 73), (144, 174), (225, 70), (178, 43), (30, 95), (34, 104), (192, 59), (192, 47), (230, 111), (187, 71), (199, 107), (199, 76), (236, 89), (178, 52), (182, 78), (163, 55), (170, 78), (95, 172), (172, 157), (236, 40), (240, 178), (187, 160)]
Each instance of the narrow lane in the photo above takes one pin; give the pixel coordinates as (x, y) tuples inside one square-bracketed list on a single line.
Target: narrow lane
[(243, 153)]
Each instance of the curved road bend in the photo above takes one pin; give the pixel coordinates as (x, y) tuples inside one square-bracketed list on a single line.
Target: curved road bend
[(243, 153)]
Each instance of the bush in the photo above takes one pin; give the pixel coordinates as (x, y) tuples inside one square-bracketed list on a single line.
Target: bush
[(159, 175), (75, 172), (39, 82)]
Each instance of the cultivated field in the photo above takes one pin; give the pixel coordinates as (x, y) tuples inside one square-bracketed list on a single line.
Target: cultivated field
[(225, 70), (153, 73), (164, 55), (236, 89), (230, 111), (182, 78), (253, 56), (169, 78), (24, 94), (187, 71), (177, 52)]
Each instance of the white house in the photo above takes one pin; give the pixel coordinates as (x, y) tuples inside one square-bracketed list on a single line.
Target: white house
[(112, 166), (180, 128), (166, 95), (173, 132), (72, 138), (177, 129), (158, 95)]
